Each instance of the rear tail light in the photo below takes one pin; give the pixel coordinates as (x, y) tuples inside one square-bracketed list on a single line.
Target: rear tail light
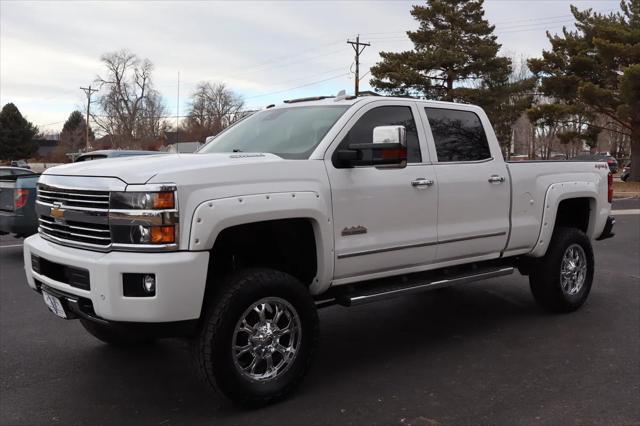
[(21, 197), (610, 187)]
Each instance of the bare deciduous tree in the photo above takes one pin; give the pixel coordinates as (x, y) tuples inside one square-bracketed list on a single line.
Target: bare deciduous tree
[(213, 107), (131, 110)]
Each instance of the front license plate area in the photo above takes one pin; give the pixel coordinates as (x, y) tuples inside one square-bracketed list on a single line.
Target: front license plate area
[(54, 304)]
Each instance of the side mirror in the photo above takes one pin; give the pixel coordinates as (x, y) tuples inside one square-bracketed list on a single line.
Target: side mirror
[(388, 148), (390, 134)]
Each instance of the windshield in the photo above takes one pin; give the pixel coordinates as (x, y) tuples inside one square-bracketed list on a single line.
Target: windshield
[(291, 133)]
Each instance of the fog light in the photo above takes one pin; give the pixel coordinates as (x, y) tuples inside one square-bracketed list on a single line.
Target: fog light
[(138, 285), (149, 284)]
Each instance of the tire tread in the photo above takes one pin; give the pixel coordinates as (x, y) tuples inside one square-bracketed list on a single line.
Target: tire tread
[(544, 276), (204, 345)]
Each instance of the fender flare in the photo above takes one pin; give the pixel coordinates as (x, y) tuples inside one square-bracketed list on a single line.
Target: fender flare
[(557, 193), (211, 217)]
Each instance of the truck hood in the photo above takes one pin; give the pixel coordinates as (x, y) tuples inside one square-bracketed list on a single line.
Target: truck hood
[(140, 170)]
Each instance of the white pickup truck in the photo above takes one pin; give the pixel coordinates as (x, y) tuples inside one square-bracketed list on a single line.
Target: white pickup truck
[(316, 202)]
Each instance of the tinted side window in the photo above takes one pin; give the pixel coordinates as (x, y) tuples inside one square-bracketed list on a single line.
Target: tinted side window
[(458, 135), (22, 172), (362, 131)]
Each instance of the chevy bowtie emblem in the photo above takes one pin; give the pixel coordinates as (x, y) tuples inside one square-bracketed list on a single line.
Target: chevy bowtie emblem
[(57, 212)]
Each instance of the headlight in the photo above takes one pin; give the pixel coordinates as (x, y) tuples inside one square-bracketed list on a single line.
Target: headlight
[(143, 234), (144, 217), (164, 200)]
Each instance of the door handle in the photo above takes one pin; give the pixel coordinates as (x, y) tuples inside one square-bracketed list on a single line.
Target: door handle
[(421, 182), (496, 179)]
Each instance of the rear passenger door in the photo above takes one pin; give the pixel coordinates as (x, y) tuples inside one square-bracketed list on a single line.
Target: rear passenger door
[(473, 185)]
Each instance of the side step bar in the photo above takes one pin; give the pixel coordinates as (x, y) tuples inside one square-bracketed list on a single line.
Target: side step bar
[(355, 299)]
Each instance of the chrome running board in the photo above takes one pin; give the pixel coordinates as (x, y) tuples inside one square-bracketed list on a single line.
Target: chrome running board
[(354, 299)]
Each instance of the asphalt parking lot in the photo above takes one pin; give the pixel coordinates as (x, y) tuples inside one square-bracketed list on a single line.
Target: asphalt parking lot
[(482, 353)]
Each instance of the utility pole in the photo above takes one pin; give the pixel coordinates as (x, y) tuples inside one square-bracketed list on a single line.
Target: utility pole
[(356, 47), (88, 91), (178, 117)]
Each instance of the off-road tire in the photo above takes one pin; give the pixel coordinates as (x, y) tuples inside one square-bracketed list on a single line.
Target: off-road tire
[(212, 348), (116, 337), (545, 273)]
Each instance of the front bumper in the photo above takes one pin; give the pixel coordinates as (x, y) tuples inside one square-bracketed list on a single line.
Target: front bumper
[(180, 281), (607, 232)]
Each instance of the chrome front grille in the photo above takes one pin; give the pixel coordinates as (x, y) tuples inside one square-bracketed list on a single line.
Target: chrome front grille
[(75, 211), (74, 216), (88, 233), (74, 197)]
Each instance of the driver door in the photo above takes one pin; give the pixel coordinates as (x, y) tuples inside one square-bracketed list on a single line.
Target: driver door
[(385, 218)]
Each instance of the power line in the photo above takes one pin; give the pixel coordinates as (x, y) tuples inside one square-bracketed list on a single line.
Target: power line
[(249, 97), (510, 28), (521, 25), (515, 23), (307, 78), (298, 87), (51, 124), (288, 56), (507, 30), (297, 61), (539, 28)]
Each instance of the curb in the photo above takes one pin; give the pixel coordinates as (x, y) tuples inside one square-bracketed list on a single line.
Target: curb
[(626, 195)]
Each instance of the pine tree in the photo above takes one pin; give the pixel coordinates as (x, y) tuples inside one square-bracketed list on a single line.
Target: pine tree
[(73, 136), (455, 58), (16, 134), (596, 71)]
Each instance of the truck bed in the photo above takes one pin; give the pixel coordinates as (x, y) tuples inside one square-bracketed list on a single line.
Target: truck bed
[(531, 182)]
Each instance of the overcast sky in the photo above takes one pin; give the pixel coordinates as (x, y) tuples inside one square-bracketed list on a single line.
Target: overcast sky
[(266, 51)]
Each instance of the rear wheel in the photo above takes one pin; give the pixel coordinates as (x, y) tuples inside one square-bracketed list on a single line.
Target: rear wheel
[(561, 280), (258, 338), (112, 336)]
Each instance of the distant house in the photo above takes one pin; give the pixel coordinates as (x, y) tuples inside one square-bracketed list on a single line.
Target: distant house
[(45, 147), (171, 138), (183, 147), (179, 142)]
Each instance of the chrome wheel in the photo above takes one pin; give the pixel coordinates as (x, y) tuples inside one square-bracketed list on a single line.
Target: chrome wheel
[(266, 339), (573, 270)]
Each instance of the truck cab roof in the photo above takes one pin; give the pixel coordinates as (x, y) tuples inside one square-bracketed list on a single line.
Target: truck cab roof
[(365, 100)]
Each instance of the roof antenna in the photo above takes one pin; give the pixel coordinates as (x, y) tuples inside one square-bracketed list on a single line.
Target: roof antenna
[(340, 96)]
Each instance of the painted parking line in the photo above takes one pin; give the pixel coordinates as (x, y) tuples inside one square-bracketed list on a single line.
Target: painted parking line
[(12, 245), (625, 212)]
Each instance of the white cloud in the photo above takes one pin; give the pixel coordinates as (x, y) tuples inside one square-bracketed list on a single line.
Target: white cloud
[(49, 49)]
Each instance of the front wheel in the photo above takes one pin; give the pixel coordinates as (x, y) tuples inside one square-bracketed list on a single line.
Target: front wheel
[(258, 338), (561, 280)]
